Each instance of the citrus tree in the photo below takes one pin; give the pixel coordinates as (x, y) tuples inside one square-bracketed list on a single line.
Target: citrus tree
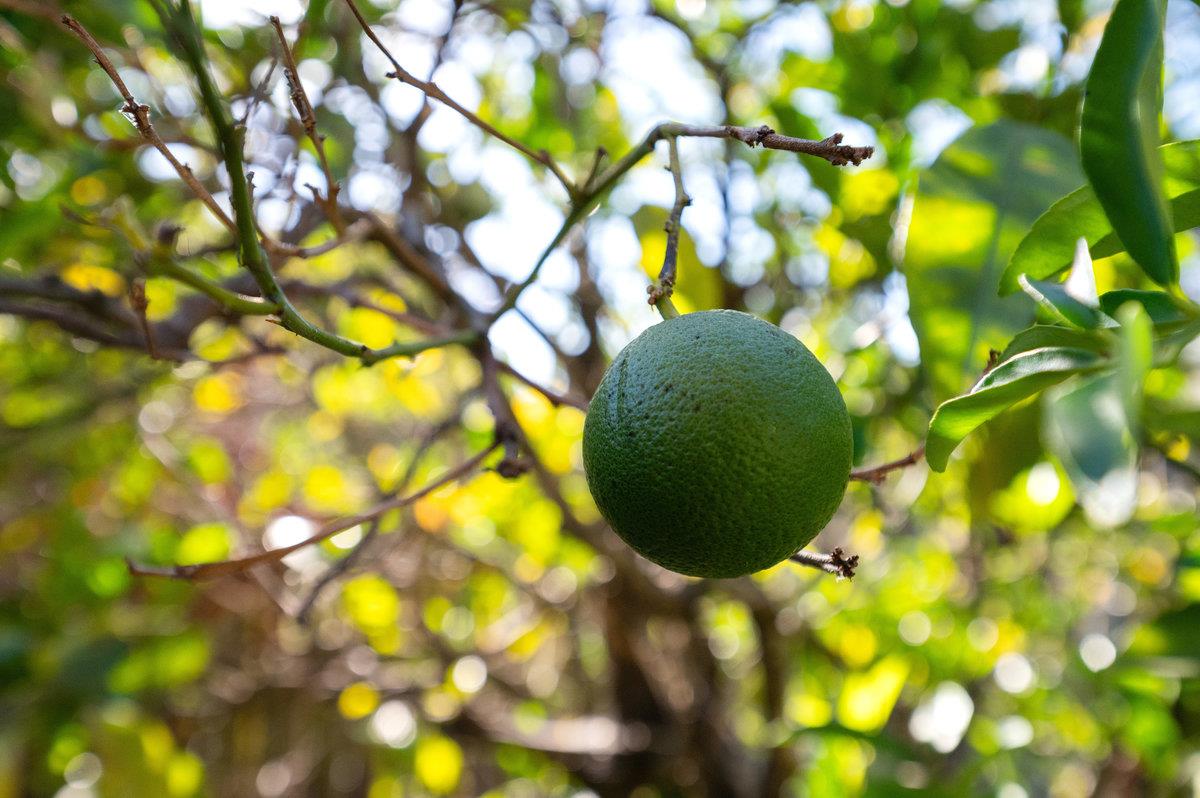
[(302, 307)]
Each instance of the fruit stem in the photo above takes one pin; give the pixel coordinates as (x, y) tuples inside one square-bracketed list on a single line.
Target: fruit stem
[(666, 307)]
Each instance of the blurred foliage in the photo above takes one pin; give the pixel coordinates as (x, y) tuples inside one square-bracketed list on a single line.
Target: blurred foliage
[(1009, 633)]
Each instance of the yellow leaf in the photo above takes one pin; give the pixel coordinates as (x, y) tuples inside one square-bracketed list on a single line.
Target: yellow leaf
[(438, 764), (218, 394), (358, 700), (87, 277), (867, 698), (203, 543)]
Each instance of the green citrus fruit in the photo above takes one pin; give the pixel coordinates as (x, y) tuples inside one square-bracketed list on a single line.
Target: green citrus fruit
[(717, 444)]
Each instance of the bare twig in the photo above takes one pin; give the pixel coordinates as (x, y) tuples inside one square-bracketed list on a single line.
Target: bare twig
[(137, 299), (431, 89), (140, 114), (182, 24), (831, 149), (876, 474), (343, 565), (210, 570), (308, 119), (556, 398), (835, 562), (508, 430), (660, 291)]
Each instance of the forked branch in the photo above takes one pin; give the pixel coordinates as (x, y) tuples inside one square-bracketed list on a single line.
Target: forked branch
[(210, 570)]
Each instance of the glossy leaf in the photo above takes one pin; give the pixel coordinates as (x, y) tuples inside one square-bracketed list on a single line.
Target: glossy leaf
[(1162, 308), (1185, 215), (1043, 335), (1054, 299), (1021, 377), (1119, 135), (1050, 244)]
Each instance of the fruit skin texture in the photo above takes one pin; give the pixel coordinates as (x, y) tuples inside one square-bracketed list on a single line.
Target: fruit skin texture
[(717, 444)]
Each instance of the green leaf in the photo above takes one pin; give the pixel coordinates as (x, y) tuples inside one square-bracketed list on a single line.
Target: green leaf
[(972, 207), (1042, 335), (1053, 298), (1050, 244), (1161, 307), (1185, 214), (1087, 428), (1119, 135), (1021, 377)]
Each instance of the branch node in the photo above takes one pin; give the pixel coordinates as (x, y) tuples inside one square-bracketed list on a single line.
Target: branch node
[(836, 562)]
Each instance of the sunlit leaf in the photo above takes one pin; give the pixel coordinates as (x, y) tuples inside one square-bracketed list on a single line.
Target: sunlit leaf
[(1020, 377), (1054, 299), (1042, 335), (867, 699), (438, 762), (1050, 244), (1119, 135), (972, 207)]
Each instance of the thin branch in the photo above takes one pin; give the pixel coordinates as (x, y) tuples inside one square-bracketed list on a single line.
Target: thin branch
[(339, 568), (557, 399), (140, 114), (308, 119), (660, 291), (431, 90), (137, 299), (835, 562), (210, 570), (252, 256), (876, 474), (831, 149), (508, 430)]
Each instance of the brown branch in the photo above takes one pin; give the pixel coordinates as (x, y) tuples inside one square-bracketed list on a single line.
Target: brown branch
[(876, 474), (308, 119), (836, 562), (211, 570), (137, 299), (343, 565), (831, 148), (508, 430), (140, 114), (557, 399), (661, 290), (431, 90)]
